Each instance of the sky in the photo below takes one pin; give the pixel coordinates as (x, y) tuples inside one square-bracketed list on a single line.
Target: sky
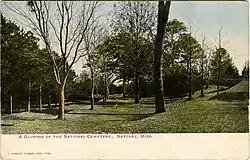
[(205, 19)]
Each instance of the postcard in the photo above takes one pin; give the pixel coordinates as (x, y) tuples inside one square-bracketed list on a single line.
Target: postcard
[(124, 80)]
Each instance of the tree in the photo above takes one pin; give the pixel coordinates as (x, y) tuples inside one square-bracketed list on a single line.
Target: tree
[(245, 71), (9, 58), (220, 59), (176, 82), (72, 20), (115, 58), (17, 68), (106, 69), (92, 39), (171, 57), (163, 13), (221, 64), (190, 52), (174, 30), (118, 58), (138, 18), (202, 66)]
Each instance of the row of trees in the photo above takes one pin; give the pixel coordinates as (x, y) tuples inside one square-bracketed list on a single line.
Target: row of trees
[(26, 73), (148, 53)]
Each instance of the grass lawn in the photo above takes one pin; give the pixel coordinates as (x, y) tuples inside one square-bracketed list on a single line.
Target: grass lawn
[(207, 114)]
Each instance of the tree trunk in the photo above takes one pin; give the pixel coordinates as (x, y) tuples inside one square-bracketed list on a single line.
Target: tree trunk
[(49, 101), (136, 87), (163, 12), (56, 100), (107, 91), (104, 87), (123, 87), (62, 103), (202, 74), (208, 76), (92, 91), (190, 78), (103, 94), (59, 97), (40, 98), (218, 76), (11, 104), (29, 94)]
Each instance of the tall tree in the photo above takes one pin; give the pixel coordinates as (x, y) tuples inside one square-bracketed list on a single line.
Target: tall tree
[(10, 59), (17, 67), (174, 30), (163, 13), (221, 64), (92, 40), (139, 19), (68, 24), (202, 66), (190, 52), (118, 58)]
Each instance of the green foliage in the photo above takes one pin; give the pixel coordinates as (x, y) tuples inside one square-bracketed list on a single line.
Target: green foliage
[(190, 49), (228, 72), (22, 62), (245, 71), (181, 50), (176, 83), (171, 46), (17, 67), (123, 58)]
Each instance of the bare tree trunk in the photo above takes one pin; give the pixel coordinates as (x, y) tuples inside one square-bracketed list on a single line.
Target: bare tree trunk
[(105, 85), (136, 86), (219, 68), (218, 76), (58, 97), (62, 103), (163, 12), (202, 67), (40, 97), (11, 104), (92, 91), (190, 78), (107, 91), (202, 75), (38, 16), (104, 92), (29, 94), (208, 76), (123, 87), (49, 101)]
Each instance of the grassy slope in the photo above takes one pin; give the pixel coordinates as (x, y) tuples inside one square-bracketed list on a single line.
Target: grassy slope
[(206, 114)]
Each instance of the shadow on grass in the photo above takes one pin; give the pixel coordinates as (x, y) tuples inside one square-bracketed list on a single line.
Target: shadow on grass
[(121, 117), (7, 125), (232, 96), (53, 111), (148, 102), (222, 89), (6, 112), (130, 118), (113, 103), (116, 114)]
